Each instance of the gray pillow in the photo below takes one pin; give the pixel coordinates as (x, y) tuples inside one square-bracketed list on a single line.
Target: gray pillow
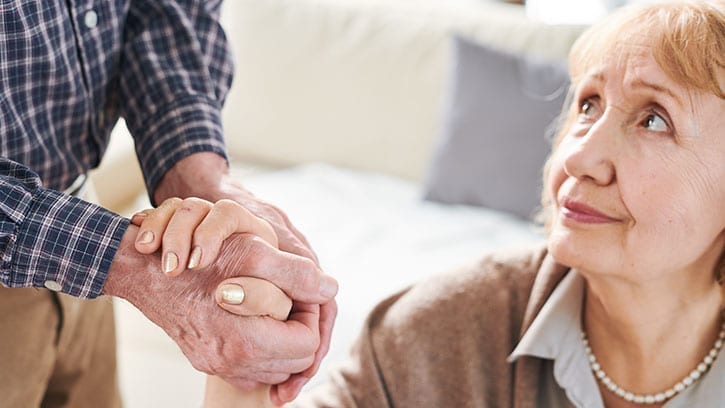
[(500, 107)]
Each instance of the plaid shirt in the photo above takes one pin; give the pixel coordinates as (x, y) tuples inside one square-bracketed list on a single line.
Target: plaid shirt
[(68, 71)]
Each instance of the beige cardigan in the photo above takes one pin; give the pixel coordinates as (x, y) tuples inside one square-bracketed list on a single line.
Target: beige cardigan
[(444, 342)]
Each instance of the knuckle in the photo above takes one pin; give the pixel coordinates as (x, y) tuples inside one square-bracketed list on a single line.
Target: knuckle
[(308, 266), (307, 273), (253, 243), (192, 204), (301, 276), (245, 254), (215, 366), (226, 202), (252, 256), (203, 365), (310, 346), (171, 202), (227, 206), (239, 254), (245, 350), (307, 362), (276, 378)]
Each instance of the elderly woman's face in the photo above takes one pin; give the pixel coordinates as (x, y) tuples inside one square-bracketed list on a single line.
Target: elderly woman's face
[(638, 181)]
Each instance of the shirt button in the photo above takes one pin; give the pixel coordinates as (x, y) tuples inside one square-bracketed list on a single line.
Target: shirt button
[(53, 285), (90, 19)]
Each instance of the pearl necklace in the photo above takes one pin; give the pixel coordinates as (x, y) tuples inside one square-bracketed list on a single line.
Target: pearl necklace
[(662, 396)]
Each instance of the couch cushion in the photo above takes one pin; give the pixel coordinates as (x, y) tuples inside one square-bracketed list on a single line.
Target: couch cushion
[(357, 82), (493, 144)]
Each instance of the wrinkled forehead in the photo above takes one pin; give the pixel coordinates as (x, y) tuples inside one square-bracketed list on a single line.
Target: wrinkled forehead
[(613, 50), (689, 48)]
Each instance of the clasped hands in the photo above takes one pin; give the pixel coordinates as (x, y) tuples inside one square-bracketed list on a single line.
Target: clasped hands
[(220, 254)]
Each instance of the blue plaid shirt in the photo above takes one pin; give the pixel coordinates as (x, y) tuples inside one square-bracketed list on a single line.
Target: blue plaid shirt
[(68, 70)]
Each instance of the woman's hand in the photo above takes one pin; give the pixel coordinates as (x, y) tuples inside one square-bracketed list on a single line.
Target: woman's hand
[(191, 231), (257, 297)]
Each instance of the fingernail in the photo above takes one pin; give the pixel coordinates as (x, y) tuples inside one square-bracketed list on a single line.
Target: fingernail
[(171, 261), (232, 294), (139, 214), (195, 257), (146, 237), (328, 287)]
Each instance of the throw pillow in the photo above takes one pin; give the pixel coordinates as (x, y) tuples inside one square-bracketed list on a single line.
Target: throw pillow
[(494, 142)]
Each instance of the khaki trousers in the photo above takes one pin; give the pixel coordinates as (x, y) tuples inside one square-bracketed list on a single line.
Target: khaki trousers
[(56, 350)]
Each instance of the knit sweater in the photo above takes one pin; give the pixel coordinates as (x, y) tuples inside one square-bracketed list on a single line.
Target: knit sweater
[(444, 342)]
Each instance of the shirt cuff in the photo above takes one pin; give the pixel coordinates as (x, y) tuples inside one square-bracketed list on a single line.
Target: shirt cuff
[(191, 125), (65, 244)]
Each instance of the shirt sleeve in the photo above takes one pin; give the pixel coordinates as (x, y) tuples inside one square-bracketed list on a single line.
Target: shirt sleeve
[(48, 236), (175, 72)]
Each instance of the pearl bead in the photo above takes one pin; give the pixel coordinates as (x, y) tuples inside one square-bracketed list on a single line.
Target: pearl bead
[(693, 376)]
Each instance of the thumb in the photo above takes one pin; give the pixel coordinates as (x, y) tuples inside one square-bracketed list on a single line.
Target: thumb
[(246, 296)]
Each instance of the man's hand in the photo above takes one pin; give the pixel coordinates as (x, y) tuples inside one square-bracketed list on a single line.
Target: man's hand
[(206, 175), (263, 298), (243, 351)]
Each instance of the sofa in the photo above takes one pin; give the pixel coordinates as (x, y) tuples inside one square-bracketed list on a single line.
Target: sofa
[(341, 113)]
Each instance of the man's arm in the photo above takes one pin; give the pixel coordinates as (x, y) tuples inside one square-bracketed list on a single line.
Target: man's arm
[(49, 239), (175, 72)]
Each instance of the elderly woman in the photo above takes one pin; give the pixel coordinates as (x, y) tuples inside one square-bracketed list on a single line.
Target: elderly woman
[(624, 306)]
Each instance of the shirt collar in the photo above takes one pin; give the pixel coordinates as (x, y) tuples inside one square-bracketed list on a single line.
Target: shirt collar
[(555, 334), (560, 315)]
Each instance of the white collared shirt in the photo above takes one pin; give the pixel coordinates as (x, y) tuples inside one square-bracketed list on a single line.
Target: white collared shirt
[(555, 336)]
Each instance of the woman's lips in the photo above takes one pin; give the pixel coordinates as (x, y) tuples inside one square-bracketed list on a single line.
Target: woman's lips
[(579, 212)]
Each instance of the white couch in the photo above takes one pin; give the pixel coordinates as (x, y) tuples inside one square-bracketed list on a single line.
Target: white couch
[(351, 90)]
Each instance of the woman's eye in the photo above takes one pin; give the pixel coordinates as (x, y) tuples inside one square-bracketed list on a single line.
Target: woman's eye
[(655, 123), (587, 108)]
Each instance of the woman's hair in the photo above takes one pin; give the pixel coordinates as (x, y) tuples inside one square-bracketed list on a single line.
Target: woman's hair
[(687, 40)]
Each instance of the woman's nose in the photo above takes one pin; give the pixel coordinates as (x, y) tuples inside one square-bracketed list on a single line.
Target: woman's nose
[(589, 156)]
